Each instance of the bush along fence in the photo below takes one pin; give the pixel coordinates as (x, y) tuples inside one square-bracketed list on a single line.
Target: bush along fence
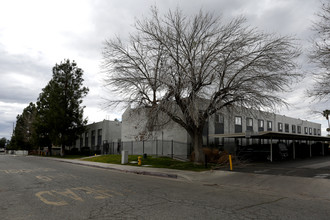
[(150, 147)]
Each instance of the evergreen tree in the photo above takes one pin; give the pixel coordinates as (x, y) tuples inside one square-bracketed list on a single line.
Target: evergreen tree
[(24, 132), (3, 142), (60, 114)]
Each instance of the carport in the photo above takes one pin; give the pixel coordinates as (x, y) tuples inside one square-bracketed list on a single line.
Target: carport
[(271, 135)]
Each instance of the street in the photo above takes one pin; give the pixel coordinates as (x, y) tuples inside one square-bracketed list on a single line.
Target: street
[(42, 188)]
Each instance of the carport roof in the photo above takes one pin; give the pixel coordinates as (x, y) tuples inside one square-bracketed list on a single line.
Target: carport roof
[(272, 135)]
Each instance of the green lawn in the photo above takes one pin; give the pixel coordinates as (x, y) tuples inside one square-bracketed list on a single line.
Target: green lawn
[(157, 162)]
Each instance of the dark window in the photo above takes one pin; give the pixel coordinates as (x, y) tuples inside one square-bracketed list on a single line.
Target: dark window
[(315, 131), (93, 138), (238, 124), (219, 127), (99, 137), (318, 132), (219, 118), (86, 139), (293, 128), (310, 131), (206, 129), (261, 125), (269, 125), (249, 124), (81, 141), (299, 129), (280, 126), (286, 127), (306, 130)]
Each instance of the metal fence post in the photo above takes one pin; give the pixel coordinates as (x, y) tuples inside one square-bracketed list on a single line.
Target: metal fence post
[(157, 148), (132, 148), (143, 147), (172, 148)]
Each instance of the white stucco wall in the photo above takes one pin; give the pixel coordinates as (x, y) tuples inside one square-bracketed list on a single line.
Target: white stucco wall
[(111, 132), (134, 124), (133, 129)]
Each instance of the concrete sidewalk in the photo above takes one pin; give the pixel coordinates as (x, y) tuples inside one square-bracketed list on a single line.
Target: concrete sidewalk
[(285, 186)]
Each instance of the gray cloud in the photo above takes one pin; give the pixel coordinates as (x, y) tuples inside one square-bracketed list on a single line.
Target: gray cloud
[(24, 74), (22, 77)]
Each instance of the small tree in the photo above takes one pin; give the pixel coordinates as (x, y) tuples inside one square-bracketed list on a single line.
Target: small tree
[(189, 68), (321, 54), (3, 142), (60, 114)]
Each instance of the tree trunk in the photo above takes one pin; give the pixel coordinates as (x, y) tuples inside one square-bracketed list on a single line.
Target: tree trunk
[(62, 150), (197, 143), (50, 150)]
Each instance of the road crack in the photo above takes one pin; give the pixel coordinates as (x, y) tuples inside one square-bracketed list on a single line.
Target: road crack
[(262, 203)]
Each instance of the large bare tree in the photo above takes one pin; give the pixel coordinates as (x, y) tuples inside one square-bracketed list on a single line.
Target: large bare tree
[(188, 68), (321, 53)]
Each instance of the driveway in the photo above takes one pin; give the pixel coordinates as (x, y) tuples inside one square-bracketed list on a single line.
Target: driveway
[(316, 167)]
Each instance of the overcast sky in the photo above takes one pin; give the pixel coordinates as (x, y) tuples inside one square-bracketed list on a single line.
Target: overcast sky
[(37, 34)]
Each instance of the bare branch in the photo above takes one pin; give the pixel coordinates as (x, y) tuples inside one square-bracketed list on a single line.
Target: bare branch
[(321, 54), (188, 68)]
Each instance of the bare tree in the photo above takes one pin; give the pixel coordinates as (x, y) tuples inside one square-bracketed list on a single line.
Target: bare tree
[(188, 68), (321, 53)]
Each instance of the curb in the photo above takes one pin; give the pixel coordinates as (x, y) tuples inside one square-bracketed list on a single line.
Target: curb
[(149, 173)]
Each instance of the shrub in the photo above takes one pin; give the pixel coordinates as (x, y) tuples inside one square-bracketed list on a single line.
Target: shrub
[(85, 151), (212, 155)]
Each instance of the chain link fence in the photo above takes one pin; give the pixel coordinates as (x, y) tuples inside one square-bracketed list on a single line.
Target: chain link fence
[(151, 147)]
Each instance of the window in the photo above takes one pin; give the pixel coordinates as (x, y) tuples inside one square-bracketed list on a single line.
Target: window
[(310, 131), (306, 130), (238, 120), (219, 127), (269, 125), (299, 129), (238, 124), (249, 124), (260, 125), (206, 129), (286, 127), (219, 118), (315, 131), (81, 141), (86, 139), (93, 138), (99, 137), (318, 132), (280, 126), (293, 128)]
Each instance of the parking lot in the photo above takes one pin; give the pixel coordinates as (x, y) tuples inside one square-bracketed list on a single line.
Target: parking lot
[(315, 167)]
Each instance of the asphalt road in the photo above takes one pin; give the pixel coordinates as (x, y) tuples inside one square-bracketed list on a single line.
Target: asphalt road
[(40, 188), (315, 167)]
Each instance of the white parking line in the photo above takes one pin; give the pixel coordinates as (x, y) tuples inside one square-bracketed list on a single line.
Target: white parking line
[(317, 165), (322, 176)]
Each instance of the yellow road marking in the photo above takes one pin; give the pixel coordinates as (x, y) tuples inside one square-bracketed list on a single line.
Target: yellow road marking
[(41, 194), (44, 178), (70, 194)]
